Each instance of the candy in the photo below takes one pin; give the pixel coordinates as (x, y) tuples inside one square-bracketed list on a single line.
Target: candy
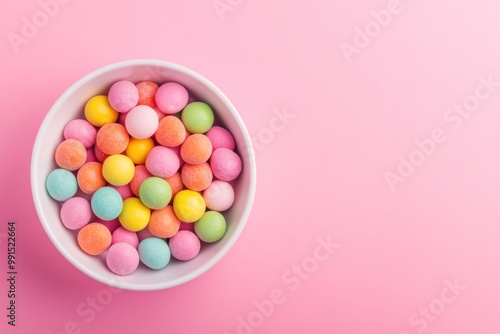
[(123, 235), (70, 154), (135, 215), (122, 259), (98, 111), (82, 131), (196, 177), (141, 173), (123, 96), (118, 169), (94, 238), (171, 132), (184, 246), (90, 178), (100, 155), (164, 223), (211, 227), (189, 205), (147, 90), (162, 162), (90, 155), (125, 191), (171, 97), (141, 122), (61, 184), (196, 149), (220, 137), (154, 253), (75, 213), (219, 195), (106, 203), (155, 193), (186, 227), (138, 149), (226, 164), (112, 225), (112, 138), (197, 117)]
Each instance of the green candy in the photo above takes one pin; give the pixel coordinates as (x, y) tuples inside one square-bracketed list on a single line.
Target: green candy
[(197, 117), (211, 227), (155, 193)]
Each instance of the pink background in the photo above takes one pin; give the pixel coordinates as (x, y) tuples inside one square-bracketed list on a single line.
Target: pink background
[(320, 175)]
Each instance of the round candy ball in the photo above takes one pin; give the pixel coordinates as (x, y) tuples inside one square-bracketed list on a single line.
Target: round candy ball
[(171, 132), (75, 213), (94, 238), (184, 246), (118, 169), (138, 149), (71, 154), (147, 90), (112, 138), (196, 149), (135, 215), (82, 131), (196, 177), (154, 253), (98, 111), (106, 203), (175, 182), (220, 137), (189, 205), (155, 193), (164, 223), (123, 235), (122, 258), (211, 227), (162, 162), (141, 122), (197, 117), (219, 195), (171, 97), (123, 96), (90, 177), (226, 164), (61, 184)]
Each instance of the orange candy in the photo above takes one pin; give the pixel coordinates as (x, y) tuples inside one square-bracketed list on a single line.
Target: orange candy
[(196, 177), (175, 182), (90, 177), (147, 91), (196, 149), (171, 132), (71, 154), (164, 223), (94, 238), (112, 138)]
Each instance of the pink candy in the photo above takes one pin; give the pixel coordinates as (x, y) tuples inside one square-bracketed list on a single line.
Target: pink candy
[(219, 195), (226, 165), (76, 213), (141, 122), (171, 97), (162, 162), (123, 96), (184, 245), (122, 258), (82, 131), (220, 137), (123, 235)]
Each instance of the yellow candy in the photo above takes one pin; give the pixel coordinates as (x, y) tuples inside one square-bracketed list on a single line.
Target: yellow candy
[(138, 149), (189, 205), (98, 111), (135, 215), (118, 169)]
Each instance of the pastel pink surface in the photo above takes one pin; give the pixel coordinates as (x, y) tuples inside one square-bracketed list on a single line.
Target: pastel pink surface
[(348, 119)]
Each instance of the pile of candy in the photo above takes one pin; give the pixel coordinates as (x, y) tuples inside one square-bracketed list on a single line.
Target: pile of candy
[(144, 176)]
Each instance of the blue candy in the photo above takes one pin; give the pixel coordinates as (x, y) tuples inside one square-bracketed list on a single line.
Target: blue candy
[(61, 184), (106, 203), (154, 252)]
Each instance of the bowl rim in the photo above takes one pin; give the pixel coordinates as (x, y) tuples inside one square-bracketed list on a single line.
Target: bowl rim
[(35, 187)]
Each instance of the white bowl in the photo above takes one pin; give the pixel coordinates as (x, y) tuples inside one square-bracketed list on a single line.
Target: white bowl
[(70, 106)]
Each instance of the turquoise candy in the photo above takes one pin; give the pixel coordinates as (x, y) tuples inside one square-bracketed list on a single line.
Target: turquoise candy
[(154, 252), (106, 203), (61, 184)]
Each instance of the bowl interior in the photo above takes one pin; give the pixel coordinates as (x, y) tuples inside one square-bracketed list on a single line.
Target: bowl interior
[(70, 106)]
